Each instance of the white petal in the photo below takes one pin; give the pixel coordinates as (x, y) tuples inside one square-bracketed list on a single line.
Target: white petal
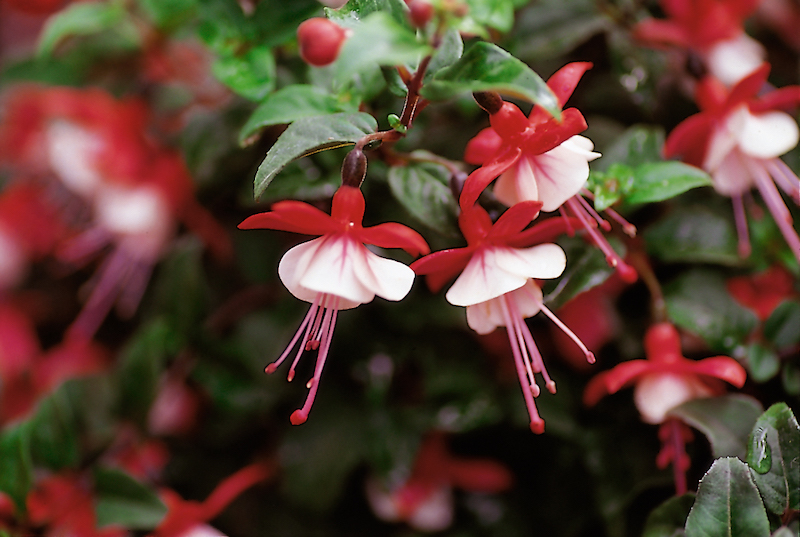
[(658, 393), (72, 152), (435, 513), (294, 264), (732, 60), (768, 135), (386, 278), (517, 184), (202, 530), (561, 172), (732, 177), (528, 299), (486, 316), (541, 261), (724, 140), (482, 279)]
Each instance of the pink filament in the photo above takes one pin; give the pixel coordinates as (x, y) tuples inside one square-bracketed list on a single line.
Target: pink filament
[(741, 226), (775, 204)]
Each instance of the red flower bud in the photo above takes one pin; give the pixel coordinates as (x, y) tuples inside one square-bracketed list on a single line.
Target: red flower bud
[(420, 12), (320, 41)]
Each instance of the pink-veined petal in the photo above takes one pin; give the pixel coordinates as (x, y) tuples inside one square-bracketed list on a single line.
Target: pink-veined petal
[(544, 261), (561, 172), (552, 133), (478, 180), (610, 382), (658, 393), (690, 139), (518, 183), (767, 135), (386, 278), (294, 216), (514, 220), (723, 368), (732, 178), (733, 59), (563, 81), (483, 279), (485, 317), (394, 235), (482, 147)]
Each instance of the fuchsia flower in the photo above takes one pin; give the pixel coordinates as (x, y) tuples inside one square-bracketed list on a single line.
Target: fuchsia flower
[(335, 271), (541, 159), (737, 138), (425, 499), (763, 292), (712, 29), (497, 285)]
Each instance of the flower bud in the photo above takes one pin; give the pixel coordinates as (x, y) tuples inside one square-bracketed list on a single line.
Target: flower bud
[(354, 168), (490, 101), (420, 12), (320, 41)]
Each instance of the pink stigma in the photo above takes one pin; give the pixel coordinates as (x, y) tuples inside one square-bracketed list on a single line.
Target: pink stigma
[(298, 417), (537, 426)]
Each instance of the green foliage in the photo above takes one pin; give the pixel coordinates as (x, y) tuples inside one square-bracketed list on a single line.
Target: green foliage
[(123, 501), (669, 518), (423, 188), (694, 234), (586, 268), (16, 464), (86, 19)]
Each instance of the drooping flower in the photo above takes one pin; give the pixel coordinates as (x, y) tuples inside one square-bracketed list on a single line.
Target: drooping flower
[(763, 292), (662, 382), (425, 499), (539, 158), (712, 29), (336, 271), (496, 283), (737, 137)]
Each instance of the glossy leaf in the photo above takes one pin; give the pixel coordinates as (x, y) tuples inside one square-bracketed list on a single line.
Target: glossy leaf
[(309, 135), (487, 67), (763, 363), (781, 328), (79, 19), (586, 268), (659, 181), (639, 144), (251, 74), (16, 465), (123, 501), (694, 234), (355, 10), (669, 518), (447, 53), (378, 40), (772, 454), (726, 421), (423, 189), (287, 105), (728, 503), (698, 301)]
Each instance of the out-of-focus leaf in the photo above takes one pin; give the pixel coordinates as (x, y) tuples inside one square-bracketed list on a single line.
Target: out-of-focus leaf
[(609, 187), (550, 28), (289, 104), (781, 328), (659, 181), (447, 53), (354, 11), (790, 377), (487, 67), (251, 74), (728, 503), (123, 501), (16, 465), (669, 518), (772, 453), (586, 268), (378, 40), (699, 302), (181, 288), (497, 14), (168, 14), (639, 144), (762, 363), (82, 18), (309, 135), (53, 432), (726, 421), (693, 234), (423, 189)]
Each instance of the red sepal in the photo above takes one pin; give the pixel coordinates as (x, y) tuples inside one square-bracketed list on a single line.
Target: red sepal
[(480, 178)]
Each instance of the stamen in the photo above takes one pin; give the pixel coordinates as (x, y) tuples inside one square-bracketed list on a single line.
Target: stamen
[(785, 177), (271, 368), (776, 206), (570, 229), (594, 214), (627, 227), (741, 226), (586, 352)]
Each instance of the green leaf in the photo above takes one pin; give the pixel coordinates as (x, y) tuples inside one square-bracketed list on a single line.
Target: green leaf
[(181, 287), (772, 453), (586, 268), (487, 67), (609, 187), (53, 432), (287, 105), (669, 518), (16, 466), (694, 234), (762, 363), (659, 181), (83, 18), (728, 503), (726, 421), (552, 28), (447, 53), (378, 40), (639, 144), (168, 14), (781, 327), (497, 14), (423, 189), (123, 501), (790, 378), (309, 135), (354, 11), (251, 75), (698, 301)]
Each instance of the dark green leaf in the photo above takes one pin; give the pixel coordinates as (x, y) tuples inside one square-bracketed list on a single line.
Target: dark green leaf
[(728, 503), (762, 363), (487, 67), (726, 421), (773, 454), (639, 144), (423, 189), (181, 288), (168, 14), (354, 11), (53, 432), (251, 75), (288, 105), (551, 28), (83, 18), (497, 14), (16, 466), (781, 329), (669, 518), (309, 135), (659, 181), (586, 268), (123, 501), (790, 377), (698, 301), (694, 234), (447, 53), (378, 40)]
